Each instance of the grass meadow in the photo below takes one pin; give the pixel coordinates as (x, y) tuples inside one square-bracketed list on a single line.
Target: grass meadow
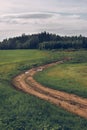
[(20, 111), (71, 78)]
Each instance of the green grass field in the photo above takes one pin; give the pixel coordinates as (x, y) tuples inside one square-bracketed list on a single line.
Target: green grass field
[(71, 78), (20, 111)]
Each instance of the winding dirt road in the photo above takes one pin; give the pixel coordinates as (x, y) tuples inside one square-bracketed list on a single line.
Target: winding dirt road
[(70, 102)]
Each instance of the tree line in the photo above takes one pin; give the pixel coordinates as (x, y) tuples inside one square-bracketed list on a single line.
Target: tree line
[(44, 40)]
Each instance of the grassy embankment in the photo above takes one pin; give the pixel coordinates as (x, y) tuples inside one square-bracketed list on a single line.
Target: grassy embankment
[(20, 111)]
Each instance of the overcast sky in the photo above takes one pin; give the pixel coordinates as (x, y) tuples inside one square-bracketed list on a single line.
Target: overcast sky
[(63, 17)]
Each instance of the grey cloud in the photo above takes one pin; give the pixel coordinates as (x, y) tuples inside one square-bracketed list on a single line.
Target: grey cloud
[(25, 17), (64, 17), (35, 16), (28, 16), (16, 18)]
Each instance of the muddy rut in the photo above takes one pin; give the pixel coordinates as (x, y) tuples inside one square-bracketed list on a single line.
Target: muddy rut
[(70, 102)]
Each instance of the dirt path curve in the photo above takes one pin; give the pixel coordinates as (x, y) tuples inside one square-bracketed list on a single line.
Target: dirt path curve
[(70, 102)]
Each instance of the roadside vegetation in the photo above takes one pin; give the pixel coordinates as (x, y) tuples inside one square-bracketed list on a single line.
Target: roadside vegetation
[(20, 111)]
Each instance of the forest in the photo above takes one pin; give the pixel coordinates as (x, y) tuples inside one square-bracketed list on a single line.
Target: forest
[(43, 41)]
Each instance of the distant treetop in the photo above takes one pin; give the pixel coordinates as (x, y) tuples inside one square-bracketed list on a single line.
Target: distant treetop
[(44, 40)]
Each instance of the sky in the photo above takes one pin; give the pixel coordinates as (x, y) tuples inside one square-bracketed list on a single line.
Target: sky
[(63, 17)]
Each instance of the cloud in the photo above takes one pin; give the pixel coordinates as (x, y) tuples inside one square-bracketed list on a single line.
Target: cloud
[(28, 16), (20, 18), (62, 23), (24, 16), (37, 16)]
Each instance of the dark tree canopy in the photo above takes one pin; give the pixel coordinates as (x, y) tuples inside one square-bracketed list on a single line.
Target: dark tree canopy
[(44, 40)]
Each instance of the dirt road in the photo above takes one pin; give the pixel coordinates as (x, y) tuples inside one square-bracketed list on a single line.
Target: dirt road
[(70, 102)]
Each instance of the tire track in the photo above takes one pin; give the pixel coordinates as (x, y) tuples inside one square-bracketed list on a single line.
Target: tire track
[(70, 102)]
